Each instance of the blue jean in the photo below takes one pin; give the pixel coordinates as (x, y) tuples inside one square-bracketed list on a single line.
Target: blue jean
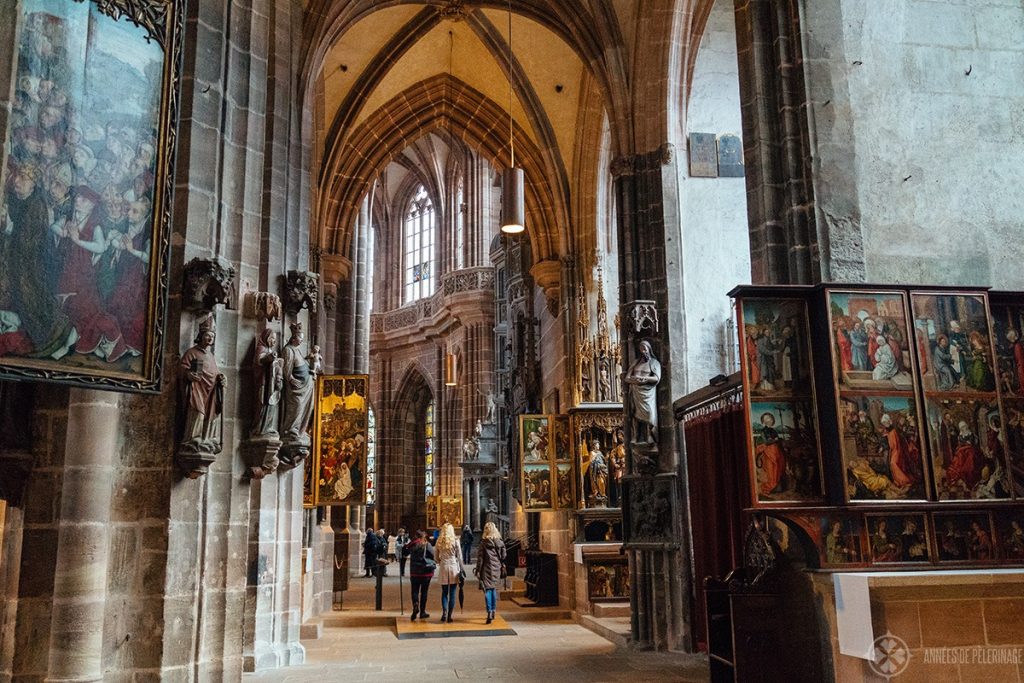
[(448, 597), (491, 599)]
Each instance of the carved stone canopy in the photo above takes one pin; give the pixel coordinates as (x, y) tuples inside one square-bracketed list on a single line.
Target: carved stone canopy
[(643, 317), (302, 290), (263, 306), (207, 283)]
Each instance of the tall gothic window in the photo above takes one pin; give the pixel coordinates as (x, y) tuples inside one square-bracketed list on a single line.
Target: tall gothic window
[(460, 226), (419, 247), (428, 452), (371, 457)]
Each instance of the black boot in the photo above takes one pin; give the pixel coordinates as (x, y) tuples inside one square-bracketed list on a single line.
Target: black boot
[(444, 617), (450, 620), (490, 617), (412, 617)]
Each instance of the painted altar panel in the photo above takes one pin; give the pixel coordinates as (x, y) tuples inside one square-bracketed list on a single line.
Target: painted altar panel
[(1007, 331), (870, 342), (340, 439), (87, 166), (841, 541), (898, 538), (546, 455), (965, 425), (608, 580), (600, 450), (1009, 525), (965, 537), (776, 364)]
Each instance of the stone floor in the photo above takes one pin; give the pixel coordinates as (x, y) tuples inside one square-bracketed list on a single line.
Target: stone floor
[(359, 644)]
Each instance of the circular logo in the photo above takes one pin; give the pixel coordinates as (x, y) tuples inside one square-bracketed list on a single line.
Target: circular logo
[(890, 656)]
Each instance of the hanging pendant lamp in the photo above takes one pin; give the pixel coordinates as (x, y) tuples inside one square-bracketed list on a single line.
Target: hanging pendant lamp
[(451, 375), (513, 179)]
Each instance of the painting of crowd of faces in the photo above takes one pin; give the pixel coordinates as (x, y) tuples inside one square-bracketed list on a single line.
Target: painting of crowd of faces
[(881, 448), (870, 343), (84, 164), (608, 580), (775, 347), (785, 451), (340, 439), (964, 537), (968, 449), (1008, 330), (898, 538)]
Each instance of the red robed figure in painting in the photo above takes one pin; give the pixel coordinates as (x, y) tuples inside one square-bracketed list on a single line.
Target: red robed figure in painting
[(967, 460), (753, 367), (77, 285), (132, 253), (903, 460), (771, 459), (845, 347)]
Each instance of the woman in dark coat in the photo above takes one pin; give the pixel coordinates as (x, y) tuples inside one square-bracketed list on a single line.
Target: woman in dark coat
[(421, 571), (490, 561)]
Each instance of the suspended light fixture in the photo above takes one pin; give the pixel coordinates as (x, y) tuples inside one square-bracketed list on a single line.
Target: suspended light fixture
[(513, 180), (451, 376)]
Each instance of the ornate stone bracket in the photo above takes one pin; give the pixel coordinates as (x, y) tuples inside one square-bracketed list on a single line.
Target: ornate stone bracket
[(454, 10), (648, 513), (195, 457), (293, 452), (302, 290), (207, 283), (548, 276), (330, 297), (261, 457), (643, 317), (263, 306)]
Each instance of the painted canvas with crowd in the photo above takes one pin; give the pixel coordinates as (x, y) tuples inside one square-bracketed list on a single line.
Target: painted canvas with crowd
[(79, 162)]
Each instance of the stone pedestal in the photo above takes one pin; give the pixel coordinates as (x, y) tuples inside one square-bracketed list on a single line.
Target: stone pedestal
[(261, 456)]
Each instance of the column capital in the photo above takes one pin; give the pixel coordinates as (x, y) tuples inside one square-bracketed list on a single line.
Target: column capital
[(334, 268)]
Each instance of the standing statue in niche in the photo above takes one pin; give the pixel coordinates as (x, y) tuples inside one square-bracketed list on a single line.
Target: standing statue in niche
[(492, 408), (268, 375), (604, 382), (616, 468), (585, 379), (641, 388), (316, 361), (299, 385), (202, 387), (597, 473)]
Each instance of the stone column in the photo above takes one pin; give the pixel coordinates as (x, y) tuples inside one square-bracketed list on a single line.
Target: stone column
[(83, 541), (475, 502), (651, 307)]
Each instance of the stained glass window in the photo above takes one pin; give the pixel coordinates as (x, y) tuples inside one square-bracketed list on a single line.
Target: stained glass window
[(419, 247), (371, 457), (429, 443)]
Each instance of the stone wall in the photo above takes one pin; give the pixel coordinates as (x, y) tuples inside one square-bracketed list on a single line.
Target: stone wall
[(917, 110), (713, 211)]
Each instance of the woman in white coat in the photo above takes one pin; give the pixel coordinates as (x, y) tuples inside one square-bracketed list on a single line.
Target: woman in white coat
[(449, 569)]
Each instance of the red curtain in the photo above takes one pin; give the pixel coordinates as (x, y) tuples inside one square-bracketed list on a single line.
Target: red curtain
[(718, 492)]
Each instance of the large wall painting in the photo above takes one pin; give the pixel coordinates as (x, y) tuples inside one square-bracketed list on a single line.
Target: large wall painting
[(86, 170), (341, 439), (881, 448)]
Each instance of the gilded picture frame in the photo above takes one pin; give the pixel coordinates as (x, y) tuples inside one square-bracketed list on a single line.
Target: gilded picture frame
[(86, 166), (340, 439)]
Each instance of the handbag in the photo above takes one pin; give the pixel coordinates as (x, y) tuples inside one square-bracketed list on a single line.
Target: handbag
[(428, 562)]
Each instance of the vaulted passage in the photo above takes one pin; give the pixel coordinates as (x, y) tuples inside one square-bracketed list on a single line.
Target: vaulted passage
[(600, 338)]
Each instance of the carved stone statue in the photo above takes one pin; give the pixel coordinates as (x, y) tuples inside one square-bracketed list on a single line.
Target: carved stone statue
[(585, 379), (202, 400), (597, 474), (616, 468), (299, 386), (471, 449), (316, 361), (641, 388), (492, 507), (268, 375), (492, 408), (604, 382)]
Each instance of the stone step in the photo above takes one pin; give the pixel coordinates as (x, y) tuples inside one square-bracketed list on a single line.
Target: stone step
[(611, 609), (536, 614), (613, 629)]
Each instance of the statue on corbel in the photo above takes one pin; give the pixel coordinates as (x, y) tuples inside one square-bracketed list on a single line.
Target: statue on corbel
[(202, 403), (264, 442), (299, 393)]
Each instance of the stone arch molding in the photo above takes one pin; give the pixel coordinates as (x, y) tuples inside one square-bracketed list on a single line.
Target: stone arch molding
[(439, 104)]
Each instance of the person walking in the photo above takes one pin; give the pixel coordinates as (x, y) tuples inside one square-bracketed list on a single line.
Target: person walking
[(382, 551), (392, 549), (400, 542), (490, 566), (449, 569), (421, 570), (466, 540)]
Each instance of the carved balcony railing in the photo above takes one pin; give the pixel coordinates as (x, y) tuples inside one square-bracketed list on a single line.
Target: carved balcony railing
[(465, 281)]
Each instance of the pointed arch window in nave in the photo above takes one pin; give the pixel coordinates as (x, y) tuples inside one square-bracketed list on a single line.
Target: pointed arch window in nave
[(419, 247), (371, 457), (428, 457)]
